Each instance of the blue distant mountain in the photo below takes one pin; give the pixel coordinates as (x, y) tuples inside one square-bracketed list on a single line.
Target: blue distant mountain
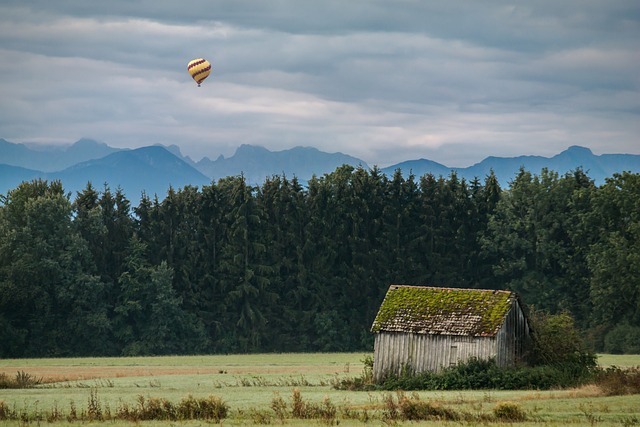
[(149, 169), (153, 169), (12, 176), (418, 168), (51, 158), (257, 163), (506, 169)]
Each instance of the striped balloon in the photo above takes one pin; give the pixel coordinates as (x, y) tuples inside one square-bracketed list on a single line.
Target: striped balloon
[(199, 69)]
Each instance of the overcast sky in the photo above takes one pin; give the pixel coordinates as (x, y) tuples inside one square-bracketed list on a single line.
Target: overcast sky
[(452, 81)]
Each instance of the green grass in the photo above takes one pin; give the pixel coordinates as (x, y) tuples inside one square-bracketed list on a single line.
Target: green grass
[(621, 360), (249, 383)]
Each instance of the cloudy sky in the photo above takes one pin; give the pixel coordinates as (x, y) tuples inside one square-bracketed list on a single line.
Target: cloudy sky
[(452, 81)]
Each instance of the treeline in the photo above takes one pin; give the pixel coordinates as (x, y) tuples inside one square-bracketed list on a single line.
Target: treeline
[(281, 267)]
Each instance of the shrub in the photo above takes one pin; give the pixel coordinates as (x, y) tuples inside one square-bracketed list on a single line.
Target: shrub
[(260, 417), (509, 411), (615, 381), (477, 374), (279, 406), (350, 413), (390, 410), (325, 411), (367, 370), (5, 412), (557, 342), (155, 409), (414, 409), (363, 382), (210, 408), (94, 409), (298, 409), (21, 380), (26, 380)]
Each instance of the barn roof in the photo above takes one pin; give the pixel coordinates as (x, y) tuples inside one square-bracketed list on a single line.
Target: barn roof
[(442, 311)]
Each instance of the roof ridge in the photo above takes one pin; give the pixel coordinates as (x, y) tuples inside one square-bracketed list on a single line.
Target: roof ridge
[(453, 289)]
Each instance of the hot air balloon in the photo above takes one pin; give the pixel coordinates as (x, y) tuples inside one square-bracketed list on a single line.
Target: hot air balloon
[(199, 69)]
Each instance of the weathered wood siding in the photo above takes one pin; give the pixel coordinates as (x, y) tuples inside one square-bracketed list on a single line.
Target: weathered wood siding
[(395, 350), (513, 337)]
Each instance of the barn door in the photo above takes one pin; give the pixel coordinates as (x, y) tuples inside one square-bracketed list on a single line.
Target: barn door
[(453, 355)]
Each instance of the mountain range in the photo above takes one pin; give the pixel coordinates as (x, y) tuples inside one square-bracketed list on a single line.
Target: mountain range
[(597, 168), (154, 168)]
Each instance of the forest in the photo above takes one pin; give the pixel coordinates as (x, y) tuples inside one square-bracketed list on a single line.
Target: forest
[(287, 267)]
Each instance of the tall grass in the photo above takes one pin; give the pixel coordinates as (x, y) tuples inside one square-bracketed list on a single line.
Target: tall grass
[(211, 408)]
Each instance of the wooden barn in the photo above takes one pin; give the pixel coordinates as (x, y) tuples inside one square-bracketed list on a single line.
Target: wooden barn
[(428, 328)]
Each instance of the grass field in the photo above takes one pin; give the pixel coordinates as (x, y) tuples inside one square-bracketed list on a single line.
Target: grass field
[(249, 384)]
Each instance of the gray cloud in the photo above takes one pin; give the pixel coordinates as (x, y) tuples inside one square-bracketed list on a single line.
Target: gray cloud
[(451, 81)]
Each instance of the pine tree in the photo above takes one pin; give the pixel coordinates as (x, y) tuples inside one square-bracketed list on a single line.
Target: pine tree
[(149, 317), (245, 275)]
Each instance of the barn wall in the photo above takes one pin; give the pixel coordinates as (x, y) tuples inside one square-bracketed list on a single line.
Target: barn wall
[(394, 350), (512, 337)]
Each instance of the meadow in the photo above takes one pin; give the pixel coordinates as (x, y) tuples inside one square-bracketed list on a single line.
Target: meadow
[(269, 388)]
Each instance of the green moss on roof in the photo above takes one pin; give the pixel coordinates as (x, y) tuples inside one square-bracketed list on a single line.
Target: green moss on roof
[(428, 310)]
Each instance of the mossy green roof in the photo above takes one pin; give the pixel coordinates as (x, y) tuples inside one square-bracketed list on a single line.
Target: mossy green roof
[(446, 311)]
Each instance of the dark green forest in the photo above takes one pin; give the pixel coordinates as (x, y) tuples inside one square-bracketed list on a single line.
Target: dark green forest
[(234, 268)]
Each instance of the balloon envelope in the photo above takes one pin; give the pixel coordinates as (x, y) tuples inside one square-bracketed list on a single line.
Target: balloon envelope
[(199, 69)]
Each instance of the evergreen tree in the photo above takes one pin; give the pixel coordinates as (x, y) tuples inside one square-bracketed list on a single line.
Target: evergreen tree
[(361, 295), (614, 260), (149, 318), (180, 213), (282, 202), (245, 278), (486, 200), (236, 268), (319, 256), (212, 310), (50, 302), (534, 235), (400, 218), (511, 240)]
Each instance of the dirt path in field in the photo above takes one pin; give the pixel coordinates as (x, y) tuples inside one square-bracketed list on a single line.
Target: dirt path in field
[(74, 373), (50, 374)]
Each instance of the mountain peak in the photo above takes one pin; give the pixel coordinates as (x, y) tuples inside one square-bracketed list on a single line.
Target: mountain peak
[(173, 149), (257, 163), (578, 150), (87, 142), (248, 149)]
